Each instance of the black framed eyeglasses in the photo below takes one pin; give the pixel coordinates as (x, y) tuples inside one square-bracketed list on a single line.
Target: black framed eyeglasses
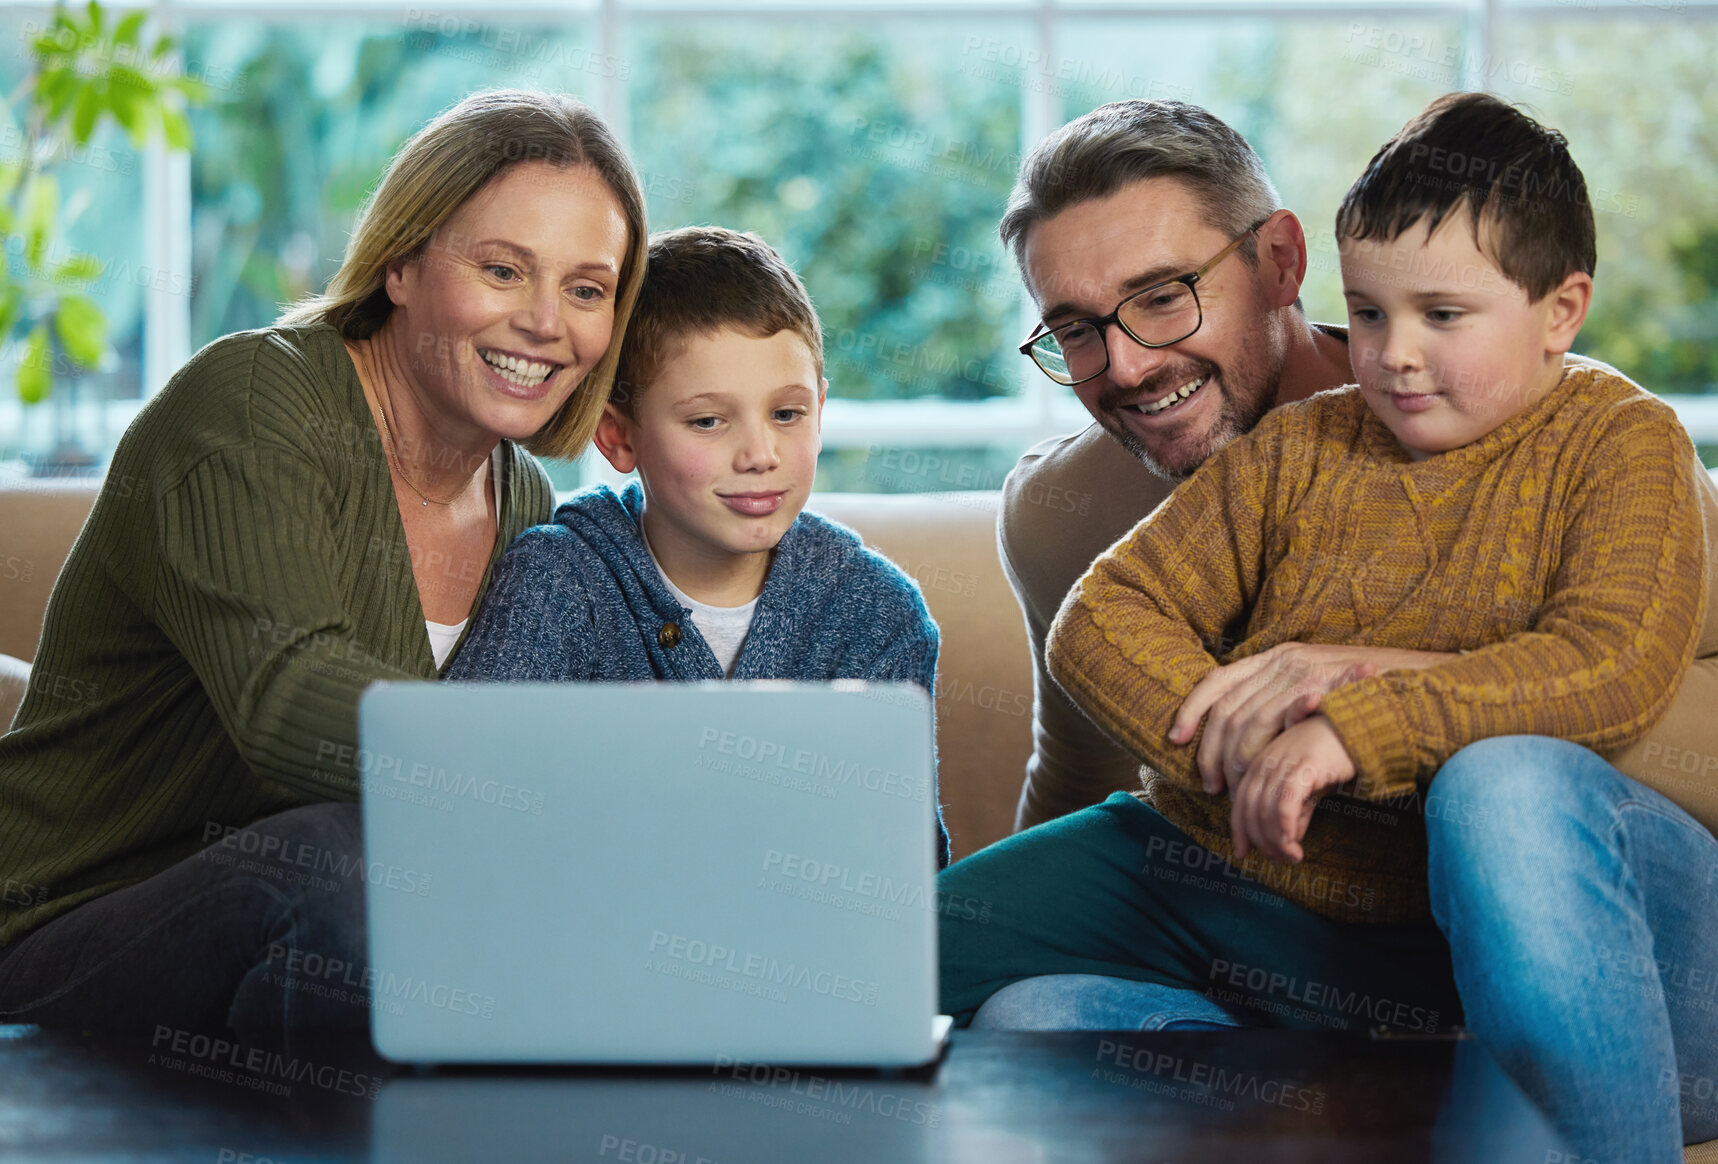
[(1162, 314)]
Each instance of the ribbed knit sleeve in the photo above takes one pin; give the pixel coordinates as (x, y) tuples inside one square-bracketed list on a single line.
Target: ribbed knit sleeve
[(244, 590), (1146, 622), (1610, 645), (242, 576)]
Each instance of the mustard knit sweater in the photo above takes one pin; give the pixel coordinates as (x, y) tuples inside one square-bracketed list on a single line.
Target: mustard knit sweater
[(1564, 553)]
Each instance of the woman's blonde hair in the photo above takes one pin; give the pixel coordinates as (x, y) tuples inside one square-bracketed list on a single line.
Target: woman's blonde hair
[(435, 172)]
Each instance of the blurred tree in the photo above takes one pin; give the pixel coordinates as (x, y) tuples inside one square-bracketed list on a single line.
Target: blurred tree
[(877, 172), (312, 118)]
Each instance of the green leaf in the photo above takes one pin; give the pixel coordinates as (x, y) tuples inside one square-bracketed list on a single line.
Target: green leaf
[(79, 269), (82, 329), (163, 46), (196, 92), (130, 103), (125, 77), (36, 368), (11, 305), (56, 89), (176, 127), (95, 17), (88, 112), (128, 28), (41, 204)]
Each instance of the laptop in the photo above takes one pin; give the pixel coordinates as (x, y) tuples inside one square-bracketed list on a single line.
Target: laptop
[(659, 873)]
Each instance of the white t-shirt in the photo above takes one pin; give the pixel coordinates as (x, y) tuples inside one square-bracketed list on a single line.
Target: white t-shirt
[(723, 627), (443, 635)]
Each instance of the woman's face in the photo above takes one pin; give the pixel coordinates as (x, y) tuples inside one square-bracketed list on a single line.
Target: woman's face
[(512, 301)]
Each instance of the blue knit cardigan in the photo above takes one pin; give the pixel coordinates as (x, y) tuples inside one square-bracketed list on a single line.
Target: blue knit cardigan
[(581, 600)]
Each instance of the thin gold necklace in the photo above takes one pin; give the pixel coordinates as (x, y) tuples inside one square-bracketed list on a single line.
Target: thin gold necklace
[(392, 449)]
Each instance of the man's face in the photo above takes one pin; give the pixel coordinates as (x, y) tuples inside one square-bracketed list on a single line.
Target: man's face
[(1084, 260)]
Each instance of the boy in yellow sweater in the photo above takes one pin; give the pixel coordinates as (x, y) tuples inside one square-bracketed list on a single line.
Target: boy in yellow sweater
[(1472, 495)]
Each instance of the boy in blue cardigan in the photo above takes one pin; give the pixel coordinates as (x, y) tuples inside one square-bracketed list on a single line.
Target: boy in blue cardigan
[(707, 568)]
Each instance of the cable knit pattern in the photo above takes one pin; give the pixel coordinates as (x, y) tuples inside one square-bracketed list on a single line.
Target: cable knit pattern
[(1562, 553)]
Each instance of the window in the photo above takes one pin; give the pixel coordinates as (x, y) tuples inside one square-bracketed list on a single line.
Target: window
[(876, 151)]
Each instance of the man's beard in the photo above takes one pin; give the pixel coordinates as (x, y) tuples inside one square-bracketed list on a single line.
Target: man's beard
[(1246, 398)]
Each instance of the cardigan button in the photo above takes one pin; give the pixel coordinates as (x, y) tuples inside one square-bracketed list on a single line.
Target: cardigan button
[(669, 635)]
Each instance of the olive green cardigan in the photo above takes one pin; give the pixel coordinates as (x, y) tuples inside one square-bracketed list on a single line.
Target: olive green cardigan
[(242, 576)]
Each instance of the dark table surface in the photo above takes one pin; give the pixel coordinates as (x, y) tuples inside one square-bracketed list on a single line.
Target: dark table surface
[(997, 1098)]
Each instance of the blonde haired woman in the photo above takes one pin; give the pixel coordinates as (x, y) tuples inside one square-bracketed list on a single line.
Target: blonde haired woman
[(303, 509)]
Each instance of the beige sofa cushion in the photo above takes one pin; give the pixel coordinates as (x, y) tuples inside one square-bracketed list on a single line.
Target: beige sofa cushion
[(38, 522), (947, 543), (14, 681)]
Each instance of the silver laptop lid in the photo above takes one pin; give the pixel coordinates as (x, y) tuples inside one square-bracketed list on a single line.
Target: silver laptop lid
[(650, 873)]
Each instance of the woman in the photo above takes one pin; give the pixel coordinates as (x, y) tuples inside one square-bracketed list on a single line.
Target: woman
[(304, 509)]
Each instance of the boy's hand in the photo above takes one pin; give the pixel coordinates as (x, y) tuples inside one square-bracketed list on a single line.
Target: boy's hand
[(1247, 704), (1274, 801)]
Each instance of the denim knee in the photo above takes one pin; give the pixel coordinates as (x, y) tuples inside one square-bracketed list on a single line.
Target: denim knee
[(1507, 814), (1096, 1002), (1519, 789)]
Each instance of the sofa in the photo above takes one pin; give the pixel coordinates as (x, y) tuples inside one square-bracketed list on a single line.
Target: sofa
[(946, 541)]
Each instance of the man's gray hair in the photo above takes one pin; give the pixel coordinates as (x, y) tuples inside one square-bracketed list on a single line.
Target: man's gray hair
[(1126, 141)]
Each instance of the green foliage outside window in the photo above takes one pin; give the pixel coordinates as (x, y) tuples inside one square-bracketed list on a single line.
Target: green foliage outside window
[(874, 166), (85, 70)]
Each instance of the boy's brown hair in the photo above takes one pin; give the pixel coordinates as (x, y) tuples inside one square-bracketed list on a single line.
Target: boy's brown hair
[(1514, 175), (701, 279)]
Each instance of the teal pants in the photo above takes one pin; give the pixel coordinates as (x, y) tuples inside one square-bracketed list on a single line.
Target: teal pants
[(1116, 890)]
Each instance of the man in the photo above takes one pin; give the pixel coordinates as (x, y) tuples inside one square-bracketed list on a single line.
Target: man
[(1111, 917)]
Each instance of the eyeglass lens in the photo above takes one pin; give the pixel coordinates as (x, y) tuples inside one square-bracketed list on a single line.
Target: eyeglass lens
[(1077, 351)]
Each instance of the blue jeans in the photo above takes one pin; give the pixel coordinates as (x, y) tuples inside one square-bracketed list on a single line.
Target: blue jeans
[(261, 934), (1164, 934), (1578, 909)]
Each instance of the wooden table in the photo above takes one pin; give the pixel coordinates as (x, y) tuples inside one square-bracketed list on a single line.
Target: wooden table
[(997, 1098)]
